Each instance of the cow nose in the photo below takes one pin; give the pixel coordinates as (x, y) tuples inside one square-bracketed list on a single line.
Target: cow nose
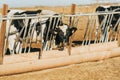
[(64, 39)]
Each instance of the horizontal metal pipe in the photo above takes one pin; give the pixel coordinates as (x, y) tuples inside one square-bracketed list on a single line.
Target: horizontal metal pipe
[(46, 16)]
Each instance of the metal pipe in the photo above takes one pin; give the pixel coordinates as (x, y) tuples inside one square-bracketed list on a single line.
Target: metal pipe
[(46, 16)]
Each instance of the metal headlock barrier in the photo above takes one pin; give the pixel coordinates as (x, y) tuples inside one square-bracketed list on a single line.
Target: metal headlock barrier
[(89, 31)]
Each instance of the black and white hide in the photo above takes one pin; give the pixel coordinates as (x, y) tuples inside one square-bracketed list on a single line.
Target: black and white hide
[(108, 21), (56, 33), (51, 30), (20, 30)]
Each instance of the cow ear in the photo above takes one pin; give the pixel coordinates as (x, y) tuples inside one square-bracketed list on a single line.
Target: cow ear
[(73, 28), (39, 11), (8, 11), (54, 32)]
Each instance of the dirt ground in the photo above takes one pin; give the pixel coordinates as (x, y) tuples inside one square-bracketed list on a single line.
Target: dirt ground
[(101, 70)]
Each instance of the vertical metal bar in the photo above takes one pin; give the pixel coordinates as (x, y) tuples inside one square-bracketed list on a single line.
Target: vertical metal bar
[(116, 36), (108, 26), (102, 23), (28, 37), (116, 26), (91, 29), (103, 26), (31, 37), (97, 30), (51, 36), (45, 43), (24, 36), (7, 35), (17, 43), (86, 30), (77, 20), (41, 51)]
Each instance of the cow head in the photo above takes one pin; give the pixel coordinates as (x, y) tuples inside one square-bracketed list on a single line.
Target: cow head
[(18, 23), (108, 21), (63, 33)]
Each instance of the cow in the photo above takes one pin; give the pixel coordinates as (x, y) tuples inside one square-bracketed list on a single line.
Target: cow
[(18, 29), (49, 29), (108, 21), (58, 31)]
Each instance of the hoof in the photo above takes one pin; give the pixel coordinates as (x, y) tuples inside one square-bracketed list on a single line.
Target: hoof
[(61, 49)]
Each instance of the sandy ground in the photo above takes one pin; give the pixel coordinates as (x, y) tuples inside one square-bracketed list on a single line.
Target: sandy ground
[(101, 70)]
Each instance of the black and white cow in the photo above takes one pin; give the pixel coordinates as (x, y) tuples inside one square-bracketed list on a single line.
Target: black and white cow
[(19, 29), (49, 28), (108, 21), (58, 31)]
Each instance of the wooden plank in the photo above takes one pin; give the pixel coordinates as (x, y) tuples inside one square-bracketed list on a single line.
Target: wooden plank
[(119, 35), (2, 33), (10, 59), (73, 7), (56, 60)]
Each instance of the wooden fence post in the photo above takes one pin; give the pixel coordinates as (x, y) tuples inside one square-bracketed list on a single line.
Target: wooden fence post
[(119, 34), (73, 7), (2, 32)]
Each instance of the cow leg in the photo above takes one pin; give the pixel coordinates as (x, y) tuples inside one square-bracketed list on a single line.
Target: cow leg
[(53, 44), (104, 37), (61, 46), (106, 34), (18, 48), (45, 46), (11, 42)]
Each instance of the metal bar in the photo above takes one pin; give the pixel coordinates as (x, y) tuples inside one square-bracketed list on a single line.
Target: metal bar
[(53, 26), (52, 37), (26, 26), (29, 37), (97, 30), (86, 30), (103, 26), (41, 36), (107, 26), (92, 30), (46, 16), (6, 39), (45, 43)]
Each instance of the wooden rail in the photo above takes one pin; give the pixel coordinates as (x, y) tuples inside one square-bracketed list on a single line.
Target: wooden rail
[(71, 25), (2, 32)]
